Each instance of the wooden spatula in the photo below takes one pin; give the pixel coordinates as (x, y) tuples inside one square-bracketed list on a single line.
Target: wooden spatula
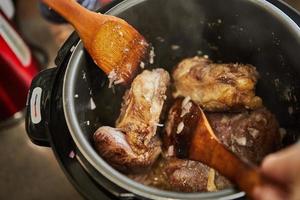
[(116, 47), (194, 139)]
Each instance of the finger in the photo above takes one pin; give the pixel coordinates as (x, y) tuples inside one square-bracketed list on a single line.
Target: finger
[(295, 194), (283, 166), (268, 193)]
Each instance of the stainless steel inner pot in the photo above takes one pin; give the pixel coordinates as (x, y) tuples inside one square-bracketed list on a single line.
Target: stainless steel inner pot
[(246, 31)]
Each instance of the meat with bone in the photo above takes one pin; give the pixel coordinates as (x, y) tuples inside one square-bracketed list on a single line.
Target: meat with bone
[(142, 108), (250, 135), (217, 87), (133, 144)]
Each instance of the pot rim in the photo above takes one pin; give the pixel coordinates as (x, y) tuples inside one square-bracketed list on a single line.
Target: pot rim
[(100, 164)]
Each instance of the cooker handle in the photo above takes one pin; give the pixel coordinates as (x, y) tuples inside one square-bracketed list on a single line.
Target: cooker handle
[(37, 107)]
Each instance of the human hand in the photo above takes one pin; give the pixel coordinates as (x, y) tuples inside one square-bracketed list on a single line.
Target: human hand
[(283, 167)]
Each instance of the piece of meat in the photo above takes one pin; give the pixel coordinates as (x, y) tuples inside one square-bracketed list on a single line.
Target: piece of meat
[(112, 145), (250, 135), (192, 176), (142, 107), (133, 145), (187, 176), (217, 87), (173, 174)]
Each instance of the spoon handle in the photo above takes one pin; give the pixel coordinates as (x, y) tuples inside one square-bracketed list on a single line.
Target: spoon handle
[(206, 148), (81, 18)]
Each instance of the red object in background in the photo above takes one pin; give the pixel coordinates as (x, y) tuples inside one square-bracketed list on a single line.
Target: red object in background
[(17, 69), (104, 2)]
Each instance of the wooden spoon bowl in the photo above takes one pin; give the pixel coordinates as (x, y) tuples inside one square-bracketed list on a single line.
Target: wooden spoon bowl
[(115, 46)]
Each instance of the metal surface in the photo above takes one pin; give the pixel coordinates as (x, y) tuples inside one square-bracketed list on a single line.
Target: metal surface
[(84, 145), (102, 166)]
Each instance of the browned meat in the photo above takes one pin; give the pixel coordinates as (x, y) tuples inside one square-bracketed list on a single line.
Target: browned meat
[(112, 145), (142, 107), (187, 176), (133, 144), (177, 175), (192, 176), (217, 87), (251, 135), (182, 175)]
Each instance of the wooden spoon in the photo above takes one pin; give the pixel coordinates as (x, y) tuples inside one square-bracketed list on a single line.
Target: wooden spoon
[(194, 139), (116, 47)]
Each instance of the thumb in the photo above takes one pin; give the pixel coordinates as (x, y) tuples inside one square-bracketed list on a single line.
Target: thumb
[(284, 165)]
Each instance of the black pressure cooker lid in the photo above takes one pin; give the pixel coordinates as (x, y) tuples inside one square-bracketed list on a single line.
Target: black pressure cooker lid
[(79, 172)]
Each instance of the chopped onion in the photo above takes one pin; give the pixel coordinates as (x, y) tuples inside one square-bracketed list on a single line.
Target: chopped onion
[(151, 56), (112, 76), (175, 47), (170, 151), (142, 65), (211, 186), (92, 103), (159, 125), (253, 132), (241, 141), (282, 132), (186, 109), (185, 101), (180, 127), (72, 154)]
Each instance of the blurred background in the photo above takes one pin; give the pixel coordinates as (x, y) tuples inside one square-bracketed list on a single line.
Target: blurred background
[(28, 171)]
